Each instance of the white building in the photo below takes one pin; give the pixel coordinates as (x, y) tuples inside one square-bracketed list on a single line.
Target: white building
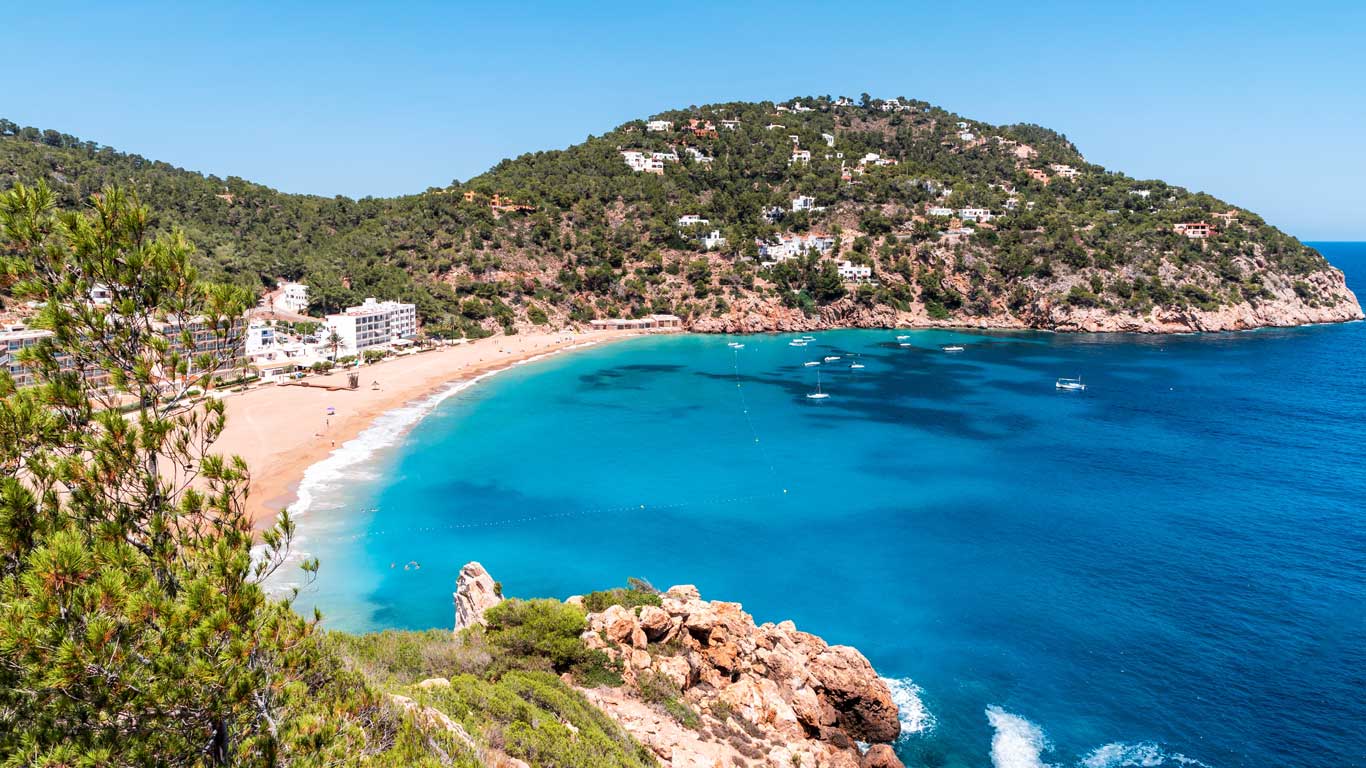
[(293, 297), (966, 136), (659, 126), (851, 272), (939, 210), (100, 295), (260, 337), (640, 163), (829, 139), (713, 240), (802, 156), (792, 246), (699, 156), (690, 220), (372, 324), (974, 214), (1065, 171), (805, 203), (730, 125), (1143, 193)]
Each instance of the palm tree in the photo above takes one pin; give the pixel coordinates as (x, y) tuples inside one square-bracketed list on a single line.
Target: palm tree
[(335, 340)]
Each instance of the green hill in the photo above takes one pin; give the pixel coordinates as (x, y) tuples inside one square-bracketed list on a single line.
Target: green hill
[(578, 234)]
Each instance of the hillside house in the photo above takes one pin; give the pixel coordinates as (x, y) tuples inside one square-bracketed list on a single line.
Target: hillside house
[(804, 203), (966, 136), (699, 156), (791, 246), (1065, 171), (938, 210), (702, 128), (1196, 230), (713, 240), (730, 125), (659, 126), (1038, 175), (853, 273), (802, 156), (829, 139), (974, 214), (691, 220)]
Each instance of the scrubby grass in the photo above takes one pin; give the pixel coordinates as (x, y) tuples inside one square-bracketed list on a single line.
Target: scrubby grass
[(534, 716)]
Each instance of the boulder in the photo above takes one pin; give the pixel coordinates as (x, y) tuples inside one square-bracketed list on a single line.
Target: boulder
[(864, 703), (880, 756), (475, 592)]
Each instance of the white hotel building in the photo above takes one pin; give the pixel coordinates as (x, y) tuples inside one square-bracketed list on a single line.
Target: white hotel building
[(372, 324)]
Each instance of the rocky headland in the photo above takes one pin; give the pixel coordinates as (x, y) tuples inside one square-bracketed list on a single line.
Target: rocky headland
[(703, 686)]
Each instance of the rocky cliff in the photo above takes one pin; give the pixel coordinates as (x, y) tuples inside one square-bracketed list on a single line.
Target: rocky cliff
[(704, 686)]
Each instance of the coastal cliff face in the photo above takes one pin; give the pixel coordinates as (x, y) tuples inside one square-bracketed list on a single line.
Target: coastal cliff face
[(1329, 301), (701, 685), (766, 695)]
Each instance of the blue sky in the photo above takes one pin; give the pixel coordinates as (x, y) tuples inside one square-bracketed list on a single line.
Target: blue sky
[(1263, 104)]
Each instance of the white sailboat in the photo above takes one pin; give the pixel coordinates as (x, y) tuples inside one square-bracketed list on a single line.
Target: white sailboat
[(902, 338), (952, 348), (811, 363), (818, 394), (831, 358), (1070, 385)]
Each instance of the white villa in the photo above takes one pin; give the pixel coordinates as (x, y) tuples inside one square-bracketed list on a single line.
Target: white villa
[(713, 240), (659, 126), (1065, 171), (850, 272), (293, 297), (792, 246), (640, 163), (804, 203), (974, 214), (829, 139), (691, 220), (938, 210), (802, 156)]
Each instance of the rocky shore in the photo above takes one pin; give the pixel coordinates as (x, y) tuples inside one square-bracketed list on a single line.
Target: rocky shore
[(729, 692)]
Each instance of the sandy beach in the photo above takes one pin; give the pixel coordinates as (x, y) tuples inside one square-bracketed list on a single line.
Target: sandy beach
[(281, 430)]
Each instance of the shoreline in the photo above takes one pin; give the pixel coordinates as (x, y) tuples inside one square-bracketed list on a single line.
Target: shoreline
[(283, 431)]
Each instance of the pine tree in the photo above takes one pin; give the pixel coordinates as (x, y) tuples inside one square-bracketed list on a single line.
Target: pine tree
[(134, 629)]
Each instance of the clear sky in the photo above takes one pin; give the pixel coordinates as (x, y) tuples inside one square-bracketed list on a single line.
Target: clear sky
[(1263, 104)]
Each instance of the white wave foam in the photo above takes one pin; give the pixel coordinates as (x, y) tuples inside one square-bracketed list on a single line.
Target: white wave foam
[(1143, 754), (1017, 742), (915, 718), (385, 431)]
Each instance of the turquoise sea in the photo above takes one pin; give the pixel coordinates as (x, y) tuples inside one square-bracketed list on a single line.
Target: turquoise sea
[(1166, 569)]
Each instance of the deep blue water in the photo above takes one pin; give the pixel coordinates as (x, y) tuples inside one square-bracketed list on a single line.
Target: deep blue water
[(1172, 563)]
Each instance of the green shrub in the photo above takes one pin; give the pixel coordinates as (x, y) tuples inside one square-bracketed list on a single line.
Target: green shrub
[(635, 594)]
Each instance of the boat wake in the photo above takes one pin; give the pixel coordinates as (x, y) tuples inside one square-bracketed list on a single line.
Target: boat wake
[(1017, 743), (1143, 754), (915, 718)]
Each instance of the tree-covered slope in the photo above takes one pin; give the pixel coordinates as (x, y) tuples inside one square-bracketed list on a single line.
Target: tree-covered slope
[(577, 234)]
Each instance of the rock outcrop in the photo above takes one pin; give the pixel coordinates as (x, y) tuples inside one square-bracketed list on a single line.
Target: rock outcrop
[(763, 695), (1331, 301), (475, 592)]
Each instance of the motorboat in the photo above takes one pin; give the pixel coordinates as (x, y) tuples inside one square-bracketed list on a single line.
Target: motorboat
[(1070, 385)]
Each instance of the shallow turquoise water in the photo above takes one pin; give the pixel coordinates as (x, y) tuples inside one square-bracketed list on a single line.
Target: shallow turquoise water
[(1170, 566)]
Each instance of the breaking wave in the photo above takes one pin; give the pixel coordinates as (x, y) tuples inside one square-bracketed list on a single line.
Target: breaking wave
[(915, 718), (1017, 743)]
